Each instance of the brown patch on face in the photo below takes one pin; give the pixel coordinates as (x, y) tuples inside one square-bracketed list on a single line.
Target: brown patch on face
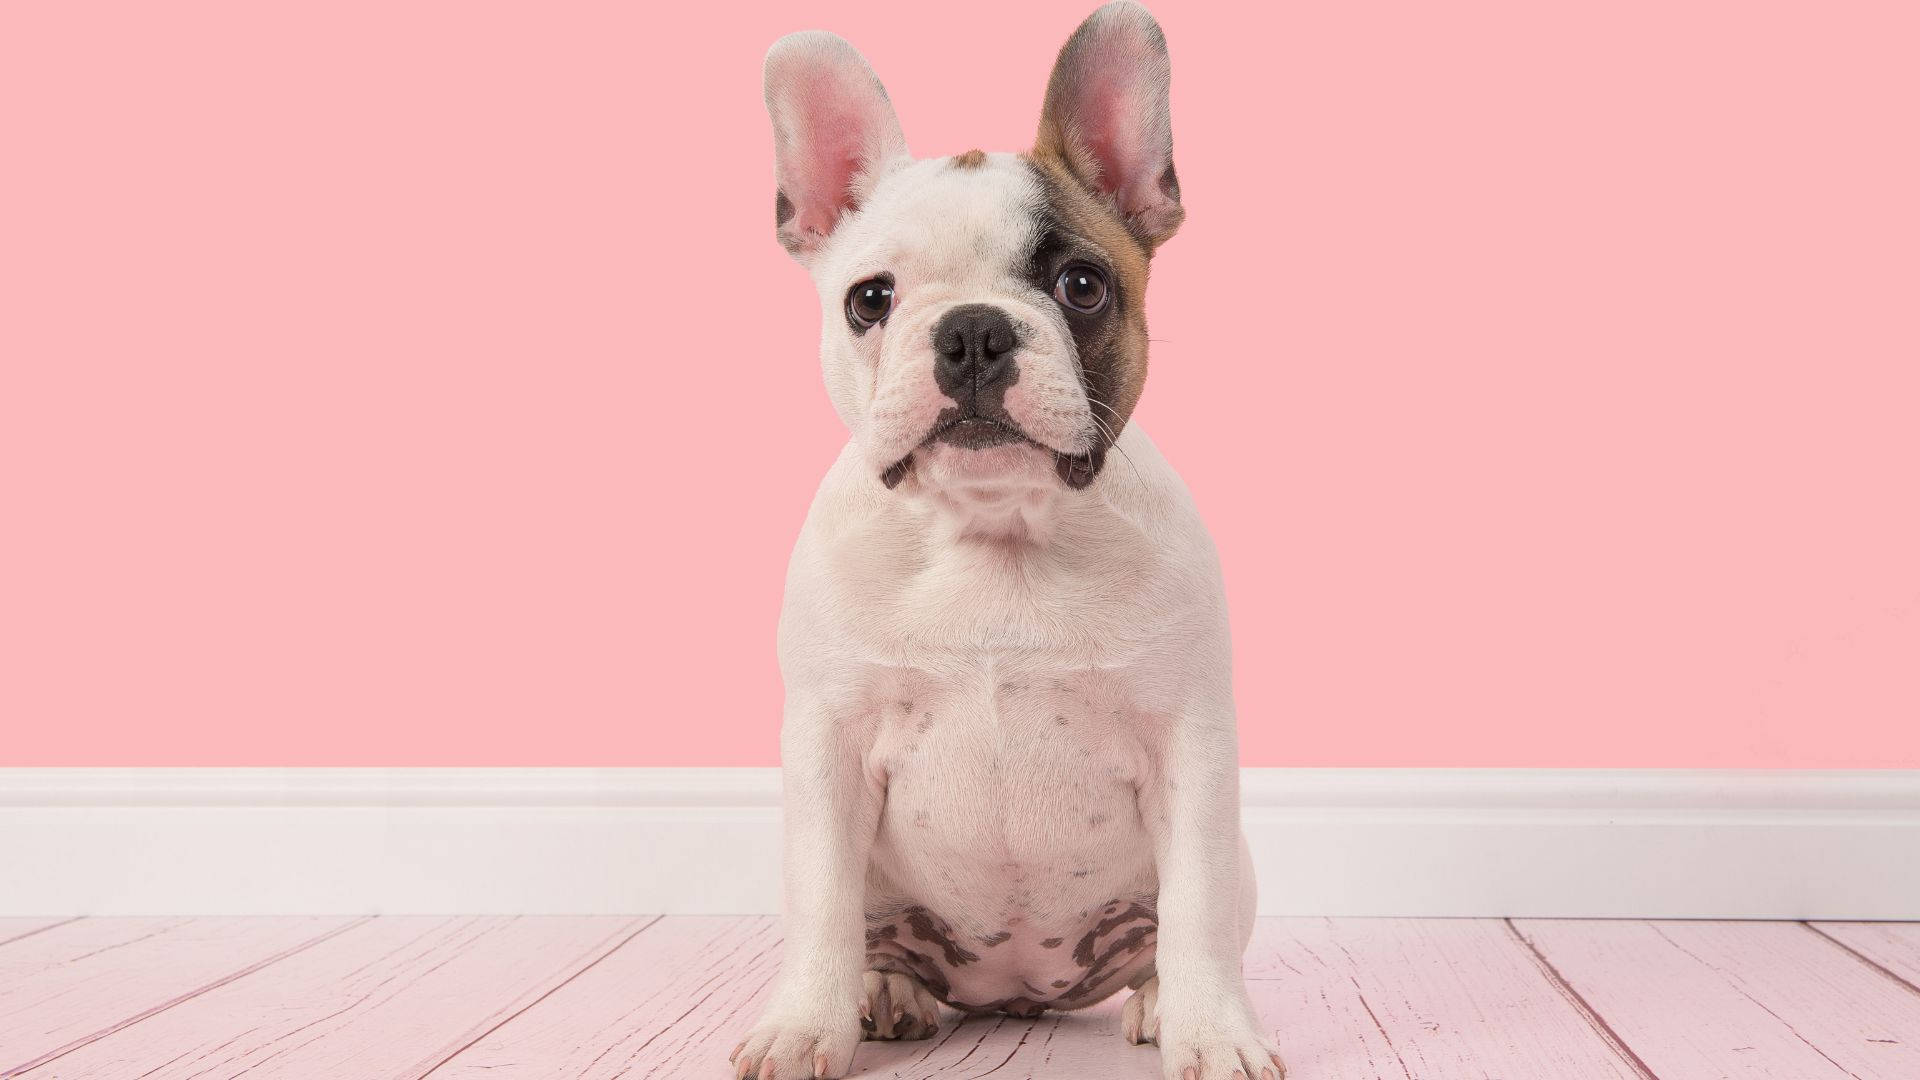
[(972, 159), (1112, 344)]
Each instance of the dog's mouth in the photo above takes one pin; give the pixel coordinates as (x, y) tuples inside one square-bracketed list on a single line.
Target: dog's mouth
[(976, 432), (973, 431)]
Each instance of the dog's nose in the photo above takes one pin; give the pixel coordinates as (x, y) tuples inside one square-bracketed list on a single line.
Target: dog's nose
[(973, 347)]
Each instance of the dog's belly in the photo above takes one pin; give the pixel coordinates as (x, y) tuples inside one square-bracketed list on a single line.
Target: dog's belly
[(1011, 870)]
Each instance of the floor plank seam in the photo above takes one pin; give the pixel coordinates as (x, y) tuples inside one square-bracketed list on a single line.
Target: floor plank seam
[(168, 929), (517, 1013), (1587, 1011), (42, 929), (1734, 984), (175, 1002), (1864, 958)]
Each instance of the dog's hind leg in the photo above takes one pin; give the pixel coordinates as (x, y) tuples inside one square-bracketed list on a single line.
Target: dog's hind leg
[(896, 1005)]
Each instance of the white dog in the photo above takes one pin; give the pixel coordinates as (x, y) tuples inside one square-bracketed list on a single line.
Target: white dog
[(1010, 761)]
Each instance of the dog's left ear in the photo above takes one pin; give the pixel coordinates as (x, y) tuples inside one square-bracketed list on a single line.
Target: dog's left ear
[(833, 133), (1106, 118)]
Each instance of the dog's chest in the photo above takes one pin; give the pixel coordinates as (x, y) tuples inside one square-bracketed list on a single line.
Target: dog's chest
[(1011, 770), (1011, 868)]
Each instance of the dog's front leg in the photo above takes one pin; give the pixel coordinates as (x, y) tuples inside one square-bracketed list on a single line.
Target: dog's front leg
[(811, 1026), (1207, 1029)]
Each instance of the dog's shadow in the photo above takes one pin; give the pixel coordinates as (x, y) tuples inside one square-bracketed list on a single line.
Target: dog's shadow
[(1084, 1043)]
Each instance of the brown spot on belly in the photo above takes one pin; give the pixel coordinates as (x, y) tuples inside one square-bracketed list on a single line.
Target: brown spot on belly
[(1083, 951), (995, 939), (935, 931), (1113, 957), (1052, 943), (1124, 949)]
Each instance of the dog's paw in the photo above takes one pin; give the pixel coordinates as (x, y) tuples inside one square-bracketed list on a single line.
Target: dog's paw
[(1221, 1046), (798, 1046), (1139, 1017), (896, 1006)]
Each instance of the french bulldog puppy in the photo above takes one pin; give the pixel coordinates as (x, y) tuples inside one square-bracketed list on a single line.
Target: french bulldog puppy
[(1010, 759)]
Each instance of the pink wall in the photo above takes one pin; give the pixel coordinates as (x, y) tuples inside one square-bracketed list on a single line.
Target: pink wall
[(1548, 378)]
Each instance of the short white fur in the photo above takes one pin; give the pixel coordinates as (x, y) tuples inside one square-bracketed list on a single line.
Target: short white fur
[(1008, 702)]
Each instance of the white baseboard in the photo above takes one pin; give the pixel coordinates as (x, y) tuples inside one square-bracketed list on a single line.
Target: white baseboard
[(1433, 842)]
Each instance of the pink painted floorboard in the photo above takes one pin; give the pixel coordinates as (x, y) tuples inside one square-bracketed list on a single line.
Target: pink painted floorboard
[(666, 1001), (1355, 998), (388, 999), (1439, 998), (466, 998), (1707, 1000), (80, 979), (1892, 947)]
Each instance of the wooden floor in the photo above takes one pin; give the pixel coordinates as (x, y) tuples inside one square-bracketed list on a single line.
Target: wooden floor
[(651, 997)]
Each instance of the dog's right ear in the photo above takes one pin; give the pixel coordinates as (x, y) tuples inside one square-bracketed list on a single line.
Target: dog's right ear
[(834, 133)]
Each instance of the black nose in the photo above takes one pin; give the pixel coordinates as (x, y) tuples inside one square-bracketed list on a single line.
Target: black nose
[(973, 349)]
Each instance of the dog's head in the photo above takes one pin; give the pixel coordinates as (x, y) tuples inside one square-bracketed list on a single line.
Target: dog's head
[(984, 324)]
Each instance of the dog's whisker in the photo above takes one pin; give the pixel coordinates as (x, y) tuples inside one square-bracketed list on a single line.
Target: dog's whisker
[(1113, 439)]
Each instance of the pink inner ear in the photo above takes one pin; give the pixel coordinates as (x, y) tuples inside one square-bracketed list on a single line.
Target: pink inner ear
[(1110, 130), (840, 123), (821, 181)]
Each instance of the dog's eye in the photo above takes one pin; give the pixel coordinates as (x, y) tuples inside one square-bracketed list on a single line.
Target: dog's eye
[(1081, 288), (869, 302)]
